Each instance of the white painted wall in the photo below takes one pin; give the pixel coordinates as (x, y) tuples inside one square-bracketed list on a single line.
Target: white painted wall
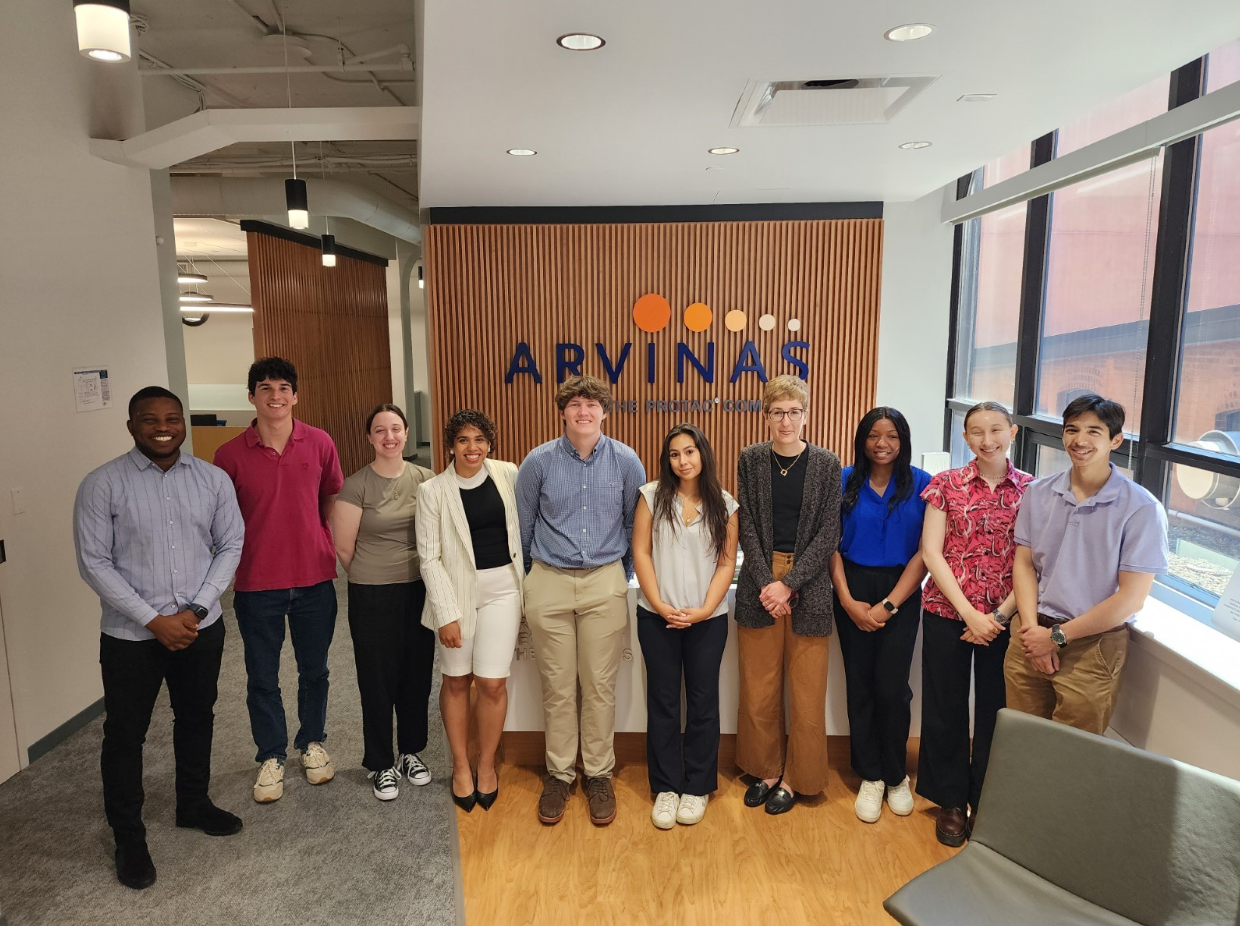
[(79, 271)]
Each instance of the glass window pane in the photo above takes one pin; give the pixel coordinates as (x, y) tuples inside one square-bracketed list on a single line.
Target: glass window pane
[(992, 257), (1053, 460), (1203, 527), (1006, 167), (1208, 398), (1124, 112), (1223, 66), (960, 449), (1100, 264)]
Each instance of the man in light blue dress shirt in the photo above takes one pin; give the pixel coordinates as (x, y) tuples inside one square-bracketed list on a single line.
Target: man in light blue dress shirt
[(158, 536), (576, 497)]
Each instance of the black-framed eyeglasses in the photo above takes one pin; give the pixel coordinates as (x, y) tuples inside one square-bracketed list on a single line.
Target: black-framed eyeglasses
[(793, 414)]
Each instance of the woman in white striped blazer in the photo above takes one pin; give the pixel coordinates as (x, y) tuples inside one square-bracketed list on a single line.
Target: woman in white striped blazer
[(469, 541)]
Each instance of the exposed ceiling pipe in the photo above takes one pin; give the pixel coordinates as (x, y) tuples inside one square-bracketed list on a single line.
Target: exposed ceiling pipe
[(238, 196)]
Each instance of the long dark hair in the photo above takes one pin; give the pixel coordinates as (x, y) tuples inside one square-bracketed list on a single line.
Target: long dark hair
[(714, 509), (902, 469)]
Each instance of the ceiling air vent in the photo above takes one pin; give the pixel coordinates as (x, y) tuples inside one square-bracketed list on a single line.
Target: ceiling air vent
[(826, 101)]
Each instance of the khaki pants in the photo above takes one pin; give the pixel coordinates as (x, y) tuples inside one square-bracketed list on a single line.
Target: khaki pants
[(577, 619), (1082, 693), (767, 656)]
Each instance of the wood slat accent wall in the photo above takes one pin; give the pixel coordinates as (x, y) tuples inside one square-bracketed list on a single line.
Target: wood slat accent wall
[(492, 286), (332, 323)]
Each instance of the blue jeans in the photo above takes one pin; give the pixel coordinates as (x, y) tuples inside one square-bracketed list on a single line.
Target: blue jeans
[(311, 622)]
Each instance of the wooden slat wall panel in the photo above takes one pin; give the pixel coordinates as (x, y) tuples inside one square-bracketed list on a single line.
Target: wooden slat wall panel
[(332, 323), (492, 286)]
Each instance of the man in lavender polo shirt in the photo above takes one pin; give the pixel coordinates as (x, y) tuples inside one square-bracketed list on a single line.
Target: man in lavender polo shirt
[(1089, 543), (287, 475)]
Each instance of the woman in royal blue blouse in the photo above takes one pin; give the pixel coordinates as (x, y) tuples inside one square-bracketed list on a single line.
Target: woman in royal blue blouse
[(877, 574)]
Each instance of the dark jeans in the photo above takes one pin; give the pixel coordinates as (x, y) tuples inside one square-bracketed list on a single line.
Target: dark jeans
[(945, 772), (687, 764), (311, 614), (395, 657), (876, 667), (133, 671)]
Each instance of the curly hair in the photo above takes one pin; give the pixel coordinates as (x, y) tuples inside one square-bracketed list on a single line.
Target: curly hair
[(273, 368), (468, 418), (585, 387)]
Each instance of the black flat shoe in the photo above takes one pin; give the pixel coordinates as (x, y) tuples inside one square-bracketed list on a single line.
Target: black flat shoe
[(780, 801), (486, 799), (757, 793), (134, 867), (210, 819)]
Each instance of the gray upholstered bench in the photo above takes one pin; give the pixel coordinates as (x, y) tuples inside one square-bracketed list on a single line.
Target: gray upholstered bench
[(1078, 829)]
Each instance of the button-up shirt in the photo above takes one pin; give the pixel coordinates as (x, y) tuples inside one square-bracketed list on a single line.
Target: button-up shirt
[(1080, 547), (575, 513), (877, 536), (978, 541), (151, 542)]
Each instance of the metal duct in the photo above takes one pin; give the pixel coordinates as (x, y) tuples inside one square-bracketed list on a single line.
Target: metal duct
[(246, 196)]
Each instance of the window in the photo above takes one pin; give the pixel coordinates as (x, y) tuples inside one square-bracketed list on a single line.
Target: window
[(1223, 66), (1100, 264), (1203, 529), (1131, 109)]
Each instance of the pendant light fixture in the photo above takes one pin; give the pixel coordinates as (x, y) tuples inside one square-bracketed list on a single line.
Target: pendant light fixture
[(186, 276), (294, 190), (103, 29), (421, 281), (328, 240)]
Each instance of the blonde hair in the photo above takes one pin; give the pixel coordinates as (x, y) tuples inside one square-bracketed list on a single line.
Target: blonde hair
[(786, 386)]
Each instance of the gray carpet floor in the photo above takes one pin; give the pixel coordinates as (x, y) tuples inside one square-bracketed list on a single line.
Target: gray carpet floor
[(327, 854)]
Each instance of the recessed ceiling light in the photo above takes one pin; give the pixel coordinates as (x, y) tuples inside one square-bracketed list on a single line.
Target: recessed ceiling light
[(196, 297), (914, 145), (976, 97), (908, 32), (580, 41), (185, 277), (722, 150), (522, 152)]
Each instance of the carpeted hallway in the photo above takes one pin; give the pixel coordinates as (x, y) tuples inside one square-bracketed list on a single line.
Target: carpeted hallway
[(329, 854)]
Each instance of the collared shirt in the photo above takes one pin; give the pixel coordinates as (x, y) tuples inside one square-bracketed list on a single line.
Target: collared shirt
[(978, 541), (877, 537), (287, 541), (1080, 547), (151, 542), (575, 513)]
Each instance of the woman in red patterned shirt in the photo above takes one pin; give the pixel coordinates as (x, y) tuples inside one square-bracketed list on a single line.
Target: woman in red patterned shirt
[(968, 547)]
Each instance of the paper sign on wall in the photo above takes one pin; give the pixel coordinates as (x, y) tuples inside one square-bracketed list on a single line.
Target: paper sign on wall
[(1227, 612), (91, 391)]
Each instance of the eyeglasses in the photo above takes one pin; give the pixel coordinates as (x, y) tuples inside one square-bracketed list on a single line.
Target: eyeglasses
[(793, 414)]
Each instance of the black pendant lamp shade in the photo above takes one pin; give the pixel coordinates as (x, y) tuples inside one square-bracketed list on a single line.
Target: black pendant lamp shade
[(329, 250), (103, 29), (295, 199)]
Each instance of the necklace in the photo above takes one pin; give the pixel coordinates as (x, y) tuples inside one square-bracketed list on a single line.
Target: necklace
[(780, 466)]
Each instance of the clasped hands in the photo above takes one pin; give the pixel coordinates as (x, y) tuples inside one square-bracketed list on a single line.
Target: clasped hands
[(980, 628), (777, 599), (682, 618), (175, 631), (1040, 648)]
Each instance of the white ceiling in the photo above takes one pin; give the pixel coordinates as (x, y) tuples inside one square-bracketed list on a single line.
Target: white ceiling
[(630, 123), (202, 239)]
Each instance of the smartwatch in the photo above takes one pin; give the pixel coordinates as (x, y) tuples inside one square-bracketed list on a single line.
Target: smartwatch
[(1057, 636), (199, 611), (890, 608), (999, 616)]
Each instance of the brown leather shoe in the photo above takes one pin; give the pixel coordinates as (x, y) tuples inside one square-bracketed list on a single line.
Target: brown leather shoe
[(952, 828), (602, 798), (554, 797)]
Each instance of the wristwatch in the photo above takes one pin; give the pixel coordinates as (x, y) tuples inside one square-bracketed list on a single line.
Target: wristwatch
[(999, 616), (891, 609), (199, 611), (1057, 636)]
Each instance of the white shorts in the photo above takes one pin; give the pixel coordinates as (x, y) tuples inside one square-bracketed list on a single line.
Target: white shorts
[(488, 653)]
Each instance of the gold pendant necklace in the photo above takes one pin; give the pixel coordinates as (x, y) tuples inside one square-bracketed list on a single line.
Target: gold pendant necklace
[(780, 466)]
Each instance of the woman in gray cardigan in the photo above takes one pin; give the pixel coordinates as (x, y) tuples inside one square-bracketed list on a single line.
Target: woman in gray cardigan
[(789, 493)]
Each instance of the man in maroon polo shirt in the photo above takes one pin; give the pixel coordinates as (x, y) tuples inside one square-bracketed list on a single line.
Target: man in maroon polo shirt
[(287, 475)]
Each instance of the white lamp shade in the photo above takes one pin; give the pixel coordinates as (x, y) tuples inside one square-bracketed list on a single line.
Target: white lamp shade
[(298, 218), (103, 31), (329, 260)]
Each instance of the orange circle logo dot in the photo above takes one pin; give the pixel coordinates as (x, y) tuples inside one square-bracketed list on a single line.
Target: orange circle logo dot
[(734, 320), (698, 317), (652, 312)]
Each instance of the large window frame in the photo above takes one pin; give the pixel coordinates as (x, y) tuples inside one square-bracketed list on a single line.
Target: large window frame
[(1153, 451)]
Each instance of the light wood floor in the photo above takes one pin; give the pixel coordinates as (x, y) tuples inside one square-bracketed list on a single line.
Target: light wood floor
[(816, 864)]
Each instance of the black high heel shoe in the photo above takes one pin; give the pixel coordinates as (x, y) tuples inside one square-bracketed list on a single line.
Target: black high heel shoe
[(465, 803), (486, 799)]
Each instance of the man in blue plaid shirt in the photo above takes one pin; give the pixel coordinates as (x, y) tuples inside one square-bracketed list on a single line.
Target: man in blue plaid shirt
[(576, 496)]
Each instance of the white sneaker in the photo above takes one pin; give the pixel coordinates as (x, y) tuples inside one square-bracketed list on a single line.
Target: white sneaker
[(318, 764), (385, 784), (412, 767), (900, 798), (270, 784), (692, 808), (666, 804), (869, 804)]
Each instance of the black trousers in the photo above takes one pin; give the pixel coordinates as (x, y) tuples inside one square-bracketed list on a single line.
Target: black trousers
[(133, 671), (946, 774), (687, 764), (395, 656), (876, 667)]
